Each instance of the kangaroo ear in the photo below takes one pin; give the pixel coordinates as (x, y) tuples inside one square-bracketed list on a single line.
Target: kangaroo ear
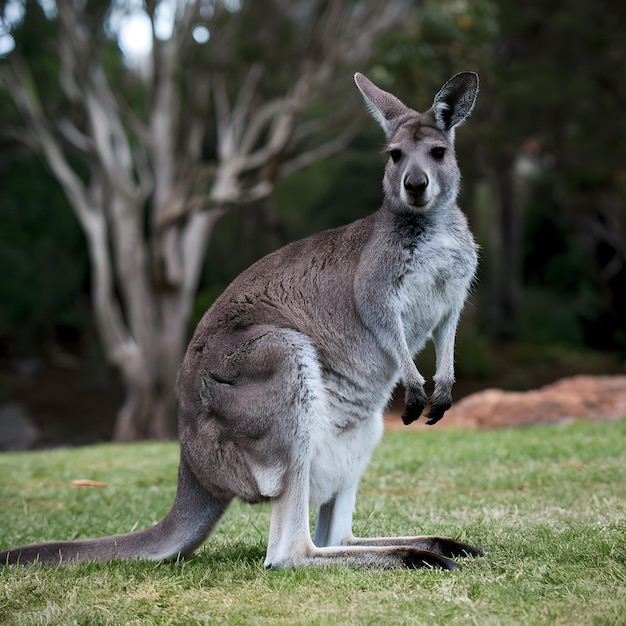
[(455, 100), (384, 107)]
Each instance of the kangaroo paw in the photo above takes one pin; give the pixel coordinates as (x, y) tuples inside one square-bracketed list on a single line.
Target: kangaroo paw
[(415, 402), (439, 404)]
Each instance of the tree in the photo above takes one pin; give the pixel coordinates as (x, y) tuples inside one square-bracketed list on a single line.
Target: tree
[(547, 123), (557, 97), (150, 156)]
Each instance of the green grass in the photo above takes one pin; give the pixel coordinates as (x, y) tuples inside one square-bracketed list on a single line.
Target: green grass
[(547, 503)]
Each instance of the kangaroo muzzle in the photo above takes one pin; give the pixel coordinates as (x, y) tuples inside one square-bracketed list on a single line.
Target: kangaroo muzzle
[(416, 189)]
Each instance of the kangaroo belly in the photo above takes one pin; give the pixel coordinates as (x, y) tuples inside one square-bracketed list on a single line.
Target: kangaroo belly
[(339, 456)]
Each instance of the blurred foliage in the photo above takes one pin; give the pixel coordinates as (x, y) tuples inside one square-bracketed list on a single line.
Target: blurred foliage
[(447, 37), (551, 74), (44, 261), (558, 68), (334, 192)]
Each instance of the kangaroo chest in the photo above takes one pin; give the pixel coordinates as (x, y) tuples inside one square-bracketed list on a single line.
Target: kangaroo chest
[(431, 281)]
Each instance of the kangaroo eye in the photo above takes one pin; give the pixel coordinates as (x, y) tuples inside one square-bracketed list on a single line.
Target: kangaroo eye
[(395, 155), (438, 153)]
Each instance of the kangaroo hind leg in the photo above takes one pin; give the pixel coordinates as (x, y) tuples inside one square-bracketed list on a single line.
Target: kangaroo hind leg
[(290, 544), (335, 524), (334, 528)]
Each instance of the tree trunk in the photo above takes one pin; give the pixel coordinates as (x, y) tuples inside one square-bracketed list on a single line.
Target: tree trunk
[(147, 191), (149, 410), (506, 272), (144, 415)]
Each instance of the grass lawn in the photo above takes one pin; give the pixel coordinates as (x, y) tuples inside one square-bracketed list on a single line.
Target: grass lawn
[(548, 504)]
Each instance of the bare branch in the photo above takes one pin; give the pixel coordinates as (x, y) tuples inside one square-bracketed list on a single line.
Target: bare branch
[(261, 190), (116, 339), (180, 208), (242, 108), (86, 205), (197, 126), (222, 114), (111, 140), (194, 241), (22, 87), (145, 175), (282, 128), (67, 71), (323, 151), (185, 13), (257, 122), (74, 136), (19, 135)]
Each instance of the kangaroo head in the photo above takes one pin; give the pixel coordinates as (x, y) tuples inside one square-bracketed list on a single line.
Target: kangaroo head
[(421, 172)]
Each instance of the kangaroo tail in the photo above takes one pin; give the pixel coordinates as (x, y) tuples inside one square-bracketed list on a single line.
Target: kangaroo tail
[(193, 516)]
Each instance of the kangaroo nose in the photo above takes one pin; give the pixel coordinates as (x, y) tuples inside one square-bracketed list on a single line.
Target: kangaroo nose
[(416, 184)]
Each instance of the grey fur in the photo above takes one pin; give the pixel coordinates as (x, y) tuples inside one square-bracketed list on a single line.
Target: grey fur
[(282, 389)]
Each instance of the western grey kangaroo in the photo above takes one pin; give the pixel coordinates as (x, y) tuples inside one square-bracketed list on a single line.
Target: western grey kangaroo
[(282, 389)]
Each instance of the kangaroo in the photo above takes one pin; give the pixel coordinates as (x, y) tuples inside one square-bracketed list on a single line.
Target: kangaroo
[(282, 389)]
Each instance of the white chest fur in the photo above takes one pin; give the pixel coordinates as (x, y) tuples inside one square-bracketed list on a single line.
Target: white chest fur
[(435, 281)]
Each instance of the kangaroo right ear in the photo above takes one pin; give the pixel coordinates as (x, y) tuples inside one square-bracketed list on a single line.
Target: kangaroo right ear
[(455, 100), (382, 105)]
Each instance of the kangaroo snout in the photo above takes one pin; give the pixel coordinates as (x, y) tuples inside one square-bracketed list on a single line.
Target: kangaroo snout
[(416, 188)]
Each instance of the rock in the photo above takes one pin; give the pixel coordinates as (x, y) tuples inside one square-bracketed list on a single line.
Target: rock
[(17, 429), (591, 397)]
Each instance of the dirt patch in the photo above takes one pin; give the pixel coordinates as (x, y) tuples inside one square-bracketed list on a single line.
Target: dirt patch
[(577, 397)]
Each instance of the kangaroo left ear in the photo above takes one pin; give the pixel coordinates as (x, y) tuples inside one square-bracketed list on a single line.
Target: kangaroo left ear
[(455, 100), (384, 107)]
